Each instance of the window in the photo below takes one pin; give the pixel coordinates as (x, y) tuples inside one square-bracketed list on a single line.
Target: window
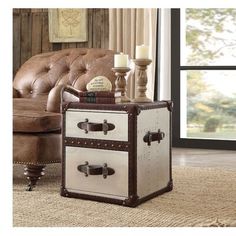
[(203, 69)]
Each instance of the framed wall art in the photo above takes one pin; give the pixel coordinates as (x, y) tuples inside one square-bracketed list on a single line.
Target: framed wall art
[(68, 25)]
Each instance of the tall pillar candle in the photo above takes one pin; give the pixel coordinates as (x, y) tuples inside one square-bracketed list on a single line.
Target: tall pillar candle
[(142, 52), (121, 60)]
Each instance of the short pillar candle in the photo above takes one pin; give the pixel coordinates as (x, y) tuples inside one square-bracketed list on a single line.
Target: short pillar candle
[(142, 52), (121, 60)]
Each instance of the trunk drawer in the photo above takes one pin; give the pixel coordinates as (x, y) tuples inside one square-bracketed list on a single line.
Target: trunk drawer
[(114, 185), (118, 122)]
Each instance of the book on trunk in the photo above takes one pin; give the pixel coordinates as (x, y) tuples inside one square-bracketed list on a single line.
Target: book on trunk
[(99, 94), (101, 100)]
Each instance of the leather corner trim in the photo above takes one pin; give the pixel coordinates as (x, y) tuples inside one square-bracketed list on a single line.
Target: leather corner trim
[(64, 192), (170, 185), (131, 201), (64, 107)]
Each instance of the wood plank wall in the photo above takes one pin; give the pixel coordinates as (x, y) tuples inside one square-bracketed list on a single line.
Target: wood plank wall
[(31, 36)]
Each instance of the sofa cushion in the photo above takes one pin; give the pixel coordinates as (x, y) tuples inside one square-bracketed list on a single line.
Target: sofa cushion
[(29, 116)]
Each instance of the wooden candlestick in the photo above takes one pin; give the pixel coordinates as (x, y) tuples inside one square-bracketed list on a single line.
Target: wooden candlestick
[(141, 65), (120, 83)]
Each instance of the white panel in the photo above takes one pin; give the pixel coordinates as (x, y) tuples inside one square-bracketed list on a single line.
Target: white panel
[(152, 161), (113, 185), (165, 55), (119, 119)]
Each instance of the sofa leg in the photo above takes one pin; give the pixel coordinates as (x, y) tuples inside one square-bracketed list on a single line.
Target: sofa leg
[(33, 173)]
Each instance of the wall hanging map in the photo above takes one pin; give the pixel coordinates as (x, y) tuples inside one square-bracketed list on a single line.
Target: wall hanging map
[(68, 25)]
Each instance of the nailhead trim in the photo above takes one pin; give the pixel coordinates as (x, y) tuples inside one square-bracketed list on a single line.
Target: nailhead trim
[(101, 144), (36, 163)]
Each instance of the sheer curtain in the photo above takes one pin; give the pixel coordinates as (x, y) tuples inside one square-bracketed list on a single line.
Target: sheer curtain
[(131, 27), (164, 83)]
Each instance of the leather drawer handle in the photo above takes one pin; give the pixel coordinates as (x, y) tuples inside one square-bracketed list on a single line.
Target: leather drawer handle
[(153, 136), (95, 170), (89, 126)]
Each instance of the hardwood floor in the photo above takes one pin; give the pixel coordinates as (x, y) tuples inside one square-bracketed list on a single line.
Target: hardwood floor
[(204, 158)]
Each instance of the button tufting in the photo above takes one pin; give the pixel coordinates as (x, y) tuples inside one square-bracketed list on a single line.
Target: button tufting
[(83, 70), (67, 69)]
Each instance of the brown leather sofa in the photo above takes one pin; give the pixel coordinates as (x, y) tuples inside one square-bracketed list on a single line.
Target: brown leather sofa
[(37, 89)]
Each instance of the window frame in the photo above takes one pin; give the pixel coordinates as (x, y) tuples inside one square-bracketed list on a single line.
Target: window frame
[(176, 69)]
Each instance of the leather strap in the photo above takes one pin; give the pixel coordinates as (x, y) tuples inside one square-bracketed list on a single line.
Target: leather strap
[(90, 126), (95, 169), (153, 136)]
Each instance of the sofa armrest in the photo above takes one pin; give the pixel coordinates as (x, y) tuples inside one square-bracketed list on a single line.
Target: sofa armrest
[(59, 94), (15, 93)]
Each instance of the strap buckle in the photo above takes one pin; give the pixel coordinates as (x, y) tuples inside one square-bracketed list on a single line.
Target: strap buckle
[(105, 127), (105, 171)]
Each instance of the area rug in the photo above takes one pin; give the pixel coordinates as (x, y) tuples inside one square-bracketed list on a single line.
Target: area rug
[(201, 197)]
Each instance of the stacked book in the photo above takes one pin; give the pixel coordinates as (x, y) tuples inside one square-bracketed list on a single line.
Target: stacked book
[(102, 97)]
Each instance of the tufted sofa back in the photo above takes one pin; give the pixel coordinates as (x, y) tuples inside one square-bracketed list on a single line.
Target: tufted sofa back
[(75, 67)]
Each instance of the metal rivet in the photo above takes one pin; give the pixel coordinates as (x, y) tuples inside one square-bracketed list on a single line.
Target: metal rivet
[(91, 143), (105, 144), (78, 142), (99, 144)]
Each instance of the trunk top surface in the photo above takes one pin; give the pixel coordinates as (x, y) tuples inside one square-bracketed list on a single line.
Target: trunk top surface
[(128, 107)]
